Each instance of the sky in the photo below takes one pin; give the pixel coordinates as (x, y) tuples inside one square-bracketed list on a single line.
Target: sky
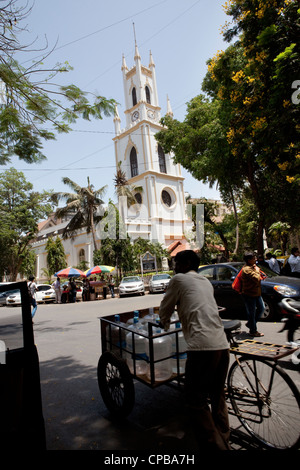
[(92, 36)]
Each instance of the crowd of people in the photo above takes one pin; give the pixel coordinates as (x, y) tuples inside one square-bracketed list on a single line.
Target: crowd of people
[(89, 287), (290, 267)]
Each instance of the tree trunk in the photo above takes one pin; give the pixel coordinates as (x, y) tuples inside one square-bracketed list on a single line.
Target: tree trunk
[(93, 229), (260, 209), (237, 229)]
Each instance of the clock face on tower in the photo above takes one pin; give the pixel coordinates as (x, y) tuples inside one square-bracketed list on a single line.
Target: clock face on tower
[(135, 116), (150, 114)]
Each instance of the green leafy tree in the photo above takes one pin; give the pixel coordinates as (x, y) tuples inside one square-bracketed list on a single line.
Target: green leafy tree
[(116, 248), (279, 232), (56, 257), (30, 100), (141, 246), (247, 136), (20, 210), (83, 206), (28, 263), (256, 91)]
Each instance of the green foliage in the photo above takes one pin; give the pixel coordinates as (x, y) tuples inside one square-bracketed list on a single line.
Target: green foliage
[(56, 257), (247, 136), (33, 104), (20, 210), (141, 246)]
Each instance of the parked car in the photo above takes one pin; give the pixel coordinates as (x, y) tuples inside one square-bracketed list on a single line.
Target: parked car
[(45, 293), (159, 282), (131, 285), (274, 288)]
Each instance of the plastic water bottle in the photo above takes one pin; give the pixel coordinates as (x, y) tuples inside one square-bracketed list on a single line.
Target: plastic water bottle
[(139, 357), (115, 341), (150, 317), (179, 353), (162, 348), (174, 318), (136, 314)]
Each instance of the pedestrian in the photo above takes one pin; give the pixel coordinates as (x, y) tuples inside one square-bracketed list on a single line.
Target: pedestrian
[(251, 293), (294, 261), (32, 289), (273, 263), (72, 290), (57, 287), (86, 290), (207, 350), (111, 285)]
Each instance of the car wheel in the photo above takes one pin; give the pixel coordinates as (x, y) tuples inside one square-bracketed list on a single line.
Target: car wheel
[(268, 314)]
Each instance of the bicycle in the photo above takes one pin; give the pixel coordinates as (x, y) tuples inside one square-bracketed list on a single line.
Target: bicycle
[(262, 395)]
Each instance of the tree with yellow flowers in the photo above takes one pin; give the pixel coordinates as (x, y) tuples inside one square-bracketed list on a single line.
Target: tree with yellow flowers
[(252, 87)]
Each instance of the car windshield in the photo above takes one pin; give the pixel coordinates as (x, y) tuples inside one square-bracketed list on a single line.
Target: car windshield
[(7, 293), (13, 292), (158, 277), (131, 279)]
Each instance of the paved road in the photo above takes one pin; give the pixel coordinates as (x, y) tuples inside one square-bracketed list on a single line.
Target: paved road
[(68, 341)]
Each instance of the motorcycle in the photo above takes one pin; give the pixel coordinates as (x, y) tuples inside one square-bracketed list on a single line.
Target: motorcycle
[(290, 308)]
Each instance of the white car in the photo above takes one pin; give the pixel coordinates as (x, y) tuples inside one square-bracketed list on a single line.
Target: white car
[(159, 282), (131, 285), (45, 293)]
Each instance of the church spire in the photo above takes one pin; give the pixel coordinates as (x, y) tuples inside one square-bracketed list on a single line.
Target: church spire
[(137, 54)]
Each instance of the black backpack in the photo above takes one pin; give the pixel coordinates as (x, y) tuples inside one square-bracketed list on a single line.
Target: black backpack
[(29, 290)]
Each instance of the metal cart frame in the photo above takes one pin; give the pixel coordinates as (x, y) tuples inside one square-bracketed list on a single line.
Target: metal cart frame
[(253, 402)]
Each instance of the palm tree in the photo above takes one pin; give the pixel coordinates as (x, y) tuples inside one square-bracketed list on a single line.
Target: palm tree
[(82, 205), (124, 189)]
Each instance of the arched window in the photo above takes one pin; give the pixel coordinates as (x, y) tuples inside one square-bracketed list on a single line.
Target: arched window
[(138, 198), (81, 255), (133, 162), (161, 160), (134, 100), (148, 97)]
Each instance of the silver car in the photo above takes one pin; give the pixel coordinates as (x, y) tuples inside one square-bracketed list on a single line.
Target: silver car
[(131, 285), (159, 282)]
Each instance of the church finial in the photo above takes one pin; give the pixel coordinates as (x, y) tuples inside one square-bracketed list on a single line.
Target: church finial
[(124, 66), (151, 63), (169, 109)]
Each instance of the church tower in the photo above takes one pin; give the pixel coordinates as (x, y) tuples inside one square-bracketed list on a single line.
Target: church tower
[(160, 211)]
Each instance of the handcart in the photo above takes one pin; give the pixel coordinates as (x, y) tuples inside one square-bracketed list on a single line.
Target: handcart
[(115, 380), (260, 393)]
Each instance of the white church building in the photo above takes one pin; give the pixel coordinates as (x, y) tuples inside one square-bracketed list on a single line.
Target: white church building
[(160, 212)]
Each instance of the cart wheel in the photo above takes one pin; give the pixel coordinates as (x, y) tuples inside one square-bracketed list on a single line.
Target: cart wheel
[(115, 384)]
